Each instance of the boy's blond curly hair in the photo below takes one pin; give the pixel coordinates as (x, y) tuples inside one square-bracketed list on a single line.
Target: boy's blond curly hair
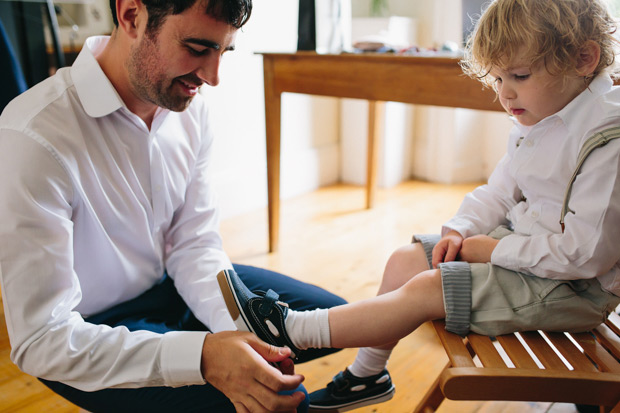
[(551, 32)]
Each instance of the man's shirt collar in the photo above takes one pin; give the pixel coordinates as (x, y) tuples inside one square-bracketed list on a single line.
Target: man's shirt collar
[(96, 92)]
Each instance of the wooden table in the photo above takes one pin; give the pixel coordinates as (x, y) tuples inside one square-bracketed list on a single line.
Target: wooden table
[(377, 78)]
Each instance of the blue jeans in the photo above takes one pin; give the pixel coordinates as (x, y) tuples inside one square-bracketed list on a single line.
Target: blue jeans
[(161, 309)]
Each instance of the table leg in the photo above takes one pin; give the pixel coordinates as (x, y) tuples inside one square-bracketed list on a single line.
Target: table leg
[(375, 129), (272, 130)]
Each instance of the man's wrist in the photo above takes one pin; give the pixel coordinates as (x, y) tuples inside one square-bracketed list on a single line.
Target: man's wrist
[(181, 353), (204, 356)]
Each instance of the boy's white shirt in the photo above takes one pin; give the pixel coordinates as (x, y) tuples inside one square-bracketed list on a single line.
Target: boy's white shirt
[(538, 169), (93, 207)]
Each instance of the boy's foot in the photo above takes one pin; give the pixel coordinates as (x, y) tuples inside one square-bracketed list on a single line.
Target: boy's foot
[(347, 392), (259, 313)]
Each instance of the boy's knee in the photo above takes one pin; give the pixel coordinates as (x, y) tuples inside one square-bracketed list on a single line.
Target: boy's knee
[(430, 279), (403, 264), (428, 284), (407, 257)]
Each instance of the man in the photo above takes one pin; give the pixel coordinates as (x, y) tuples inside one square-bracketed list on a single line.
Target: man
[(109, 243)]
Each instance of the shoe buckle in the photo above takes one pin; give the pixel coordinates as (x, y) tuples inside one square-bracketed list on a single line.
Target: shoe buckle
[(340, 382), (269, 300), (342, 385)]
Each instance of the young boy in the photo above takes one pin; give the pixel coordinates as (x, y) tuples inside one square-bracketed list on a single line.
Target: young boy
[(504, 262)]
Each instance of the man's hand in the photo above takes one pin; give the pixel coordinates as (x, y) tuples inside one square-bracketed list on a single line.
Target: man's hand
[(237, 364), (478, 248), (447, 248)]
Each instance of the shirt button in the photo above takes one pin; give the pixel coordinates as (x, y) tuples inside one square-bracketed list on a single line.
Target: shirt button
[(534, 214), (158, 188), (529, 143)]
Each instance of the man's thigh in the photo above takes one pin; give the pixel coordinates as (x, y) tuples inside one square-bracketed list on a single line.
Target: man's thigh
[(205, 398), (160, 310), (300, 296)]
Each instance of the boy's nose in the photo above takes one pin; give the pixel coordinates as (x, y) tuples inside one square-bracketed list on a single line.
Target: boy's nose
[(506, 92)]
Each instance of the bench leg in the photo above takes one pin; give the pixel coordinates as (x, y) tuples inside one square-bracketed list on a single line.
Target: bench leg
[(433, 397)]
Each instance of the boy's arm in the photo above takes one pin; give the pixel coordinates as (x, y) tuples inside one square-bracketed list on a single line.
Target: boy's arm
[(485, 208), (478, 248)]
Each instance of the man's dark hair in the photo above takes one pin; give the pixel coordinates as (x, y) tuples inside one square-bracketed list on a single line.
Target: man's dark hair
[(234, 12)]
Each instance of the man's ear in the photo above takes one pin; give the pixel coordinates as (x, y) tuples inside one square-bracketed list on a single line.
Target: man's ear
[(131, 14), (588, 59)]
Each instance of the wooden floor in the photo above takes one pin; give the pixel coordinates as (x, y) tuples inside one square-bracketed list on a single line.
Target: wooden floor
[(329, 239)]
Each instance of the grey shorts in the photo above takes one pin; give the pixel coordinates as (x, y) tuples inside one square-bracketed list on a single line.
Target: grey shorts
[(492, 300)]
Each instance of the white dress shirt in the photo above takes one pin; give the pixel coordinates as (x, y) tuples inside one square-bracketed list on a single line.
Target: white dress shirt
[(94, 207), (527, 189)]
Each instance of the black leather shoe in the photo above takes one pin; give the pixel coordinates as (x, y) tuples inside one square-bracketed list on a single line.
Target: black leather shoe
[(257, 312), (347, 392)]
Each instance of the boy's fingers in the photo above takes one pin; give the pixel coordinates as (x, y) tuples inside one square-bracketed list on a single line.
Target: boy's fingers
[(438, 253), (452, 253)]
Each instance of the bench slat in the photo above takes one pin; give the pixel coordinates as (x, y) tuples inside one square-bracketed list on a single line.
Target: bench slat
[(486, 351), (596, 352), (608, 339), (613, 322), (570, 352), (517, 353), (545, 354)]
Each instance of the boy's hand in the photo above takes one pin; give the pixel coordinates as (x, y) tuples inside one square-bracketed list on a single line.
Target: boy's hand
[(237, 364), (478, 248), (447, 248)]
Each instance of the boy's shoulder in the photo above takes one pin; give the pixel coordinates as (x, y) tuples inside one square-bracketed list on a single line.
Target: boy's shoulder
[(610, 101), (600, 111)]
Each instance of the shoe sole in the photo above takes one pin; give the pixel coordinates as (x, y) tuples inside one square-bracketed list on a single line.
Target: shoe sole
[(345, 407), (232, 303)]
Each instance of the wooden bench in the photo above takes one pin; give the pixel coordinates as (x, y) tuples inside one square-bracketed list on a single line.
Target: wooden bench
[(578, 368)]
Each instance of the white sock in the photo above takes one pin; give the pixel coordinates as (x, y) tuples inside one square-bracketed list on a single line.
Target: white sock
[(369, 361), (308, 329)]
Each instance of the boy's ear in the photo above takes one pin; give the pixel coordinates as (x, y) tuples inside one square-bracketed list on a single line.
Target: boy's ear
[(130, 14), (588, 59)]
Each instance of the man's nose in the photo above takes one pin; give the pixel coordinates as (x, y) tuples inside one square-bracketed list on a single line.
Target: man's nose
[(208, 72)]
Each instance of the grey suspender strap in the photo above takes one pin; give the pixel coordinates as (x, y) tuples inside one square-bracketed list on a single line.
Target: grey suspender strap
[(597, 140)]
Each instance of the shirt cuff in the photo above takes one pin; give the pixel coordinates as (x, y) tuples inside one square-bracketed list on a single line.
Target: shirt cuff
[(504, 253), (462, 226), (181, 356)]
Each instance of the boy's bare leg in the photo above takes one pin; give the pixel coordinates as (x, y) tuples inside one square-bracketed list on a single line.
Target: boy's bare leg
[(405, 301), (404, 264)]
